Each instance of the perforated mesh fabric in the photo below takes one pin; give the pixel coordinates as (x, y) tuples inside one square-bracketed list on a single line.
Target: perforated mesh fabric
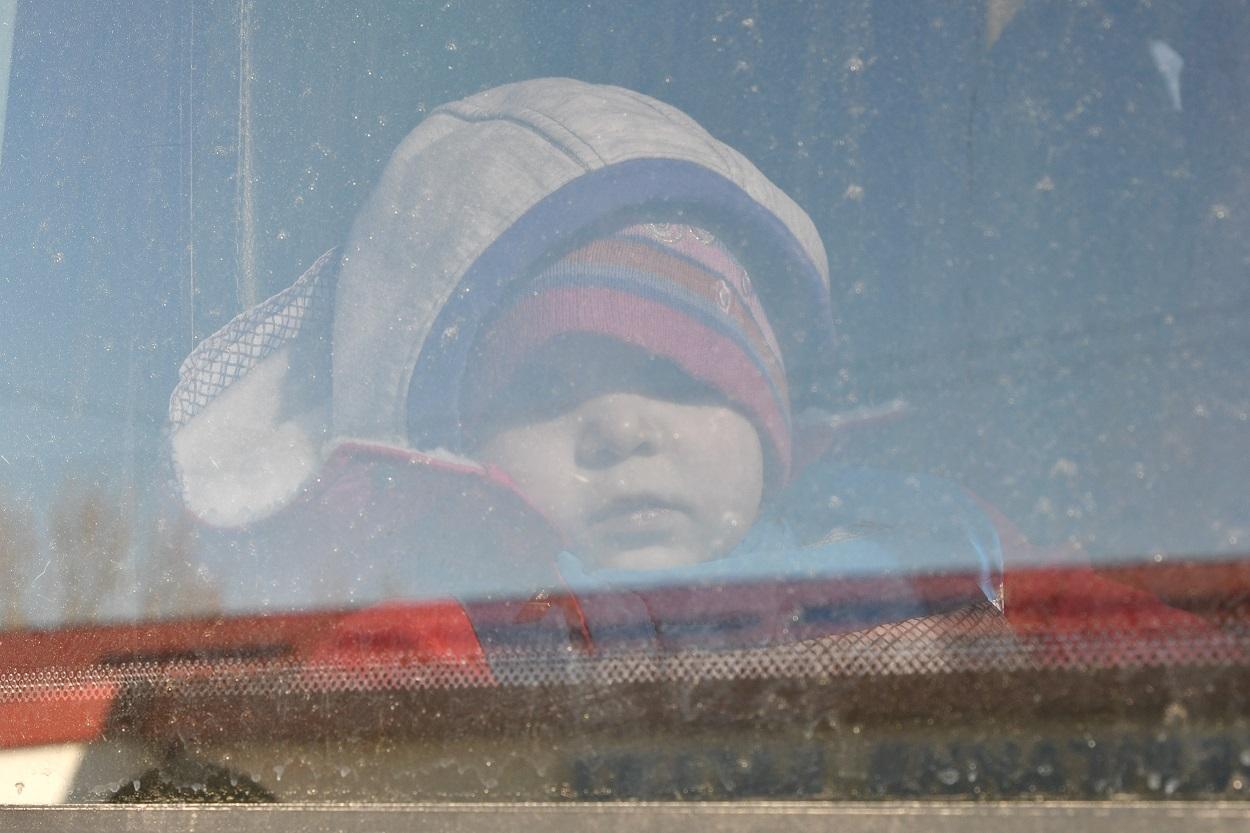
[(975, 639), (228, 354)]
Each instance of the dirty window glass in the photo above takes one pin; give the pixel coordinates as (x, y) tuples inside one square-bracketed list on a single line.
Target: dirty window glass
[(683, 401)]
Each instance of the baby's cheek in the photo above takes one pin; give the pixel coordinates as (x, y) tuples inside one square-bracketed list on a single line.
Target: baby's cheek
[(735, 494), (730, 528), (538, 460)]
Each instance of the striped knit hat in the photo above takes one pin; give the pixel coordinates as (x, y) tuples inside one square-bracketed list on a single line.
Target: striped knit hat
[(672, 290)]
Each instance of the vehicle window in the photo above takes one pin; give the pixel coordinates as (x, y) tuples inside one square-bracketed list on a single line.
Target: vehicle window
[(488, 402)]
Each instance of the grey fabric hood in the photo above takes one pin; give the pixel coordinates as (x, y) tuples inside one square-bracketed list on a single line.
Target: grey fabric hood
[(371, 347)]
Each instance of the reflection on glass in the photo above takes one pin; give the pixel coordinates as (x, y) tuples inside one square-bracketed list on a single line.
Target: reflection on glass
[(8, 16)]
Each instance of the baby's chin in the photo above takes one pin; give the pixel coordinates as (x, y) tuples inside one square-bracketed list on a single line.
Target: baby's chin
[(654, 557)]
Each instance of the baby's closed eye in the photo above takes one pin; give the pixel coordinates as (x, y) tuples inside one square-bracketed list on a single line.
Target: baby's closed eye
[(542, 392), (664, 380)]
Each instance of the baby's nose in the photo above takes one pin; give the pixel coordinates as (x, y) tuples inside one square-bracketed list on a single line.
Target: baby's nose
[(617, 427)]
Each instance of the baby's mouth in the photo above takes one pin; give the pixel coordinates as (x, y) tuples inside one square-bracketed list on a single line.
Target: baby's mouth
[(639, 519)]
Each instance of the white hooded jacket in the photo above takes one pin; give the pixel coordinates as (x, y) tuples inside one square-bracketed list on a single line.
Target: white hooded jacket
[(368, 347)]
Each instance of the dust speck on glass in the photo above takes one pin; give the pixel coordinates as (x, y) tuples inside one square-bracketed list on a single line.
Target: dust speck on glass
[(674, 401)]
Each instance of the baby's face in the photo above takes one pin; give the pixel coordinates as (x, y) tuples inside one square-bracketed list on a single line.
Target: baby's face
[(639, 466)]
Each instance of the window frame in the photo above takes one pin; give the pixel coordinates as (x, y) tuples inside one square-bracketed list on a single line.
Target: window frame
[(745, 817)]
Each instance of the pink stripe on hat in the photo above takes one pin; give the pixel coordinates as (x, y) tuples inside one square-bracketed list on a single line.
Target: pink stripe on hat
[(671, 290)]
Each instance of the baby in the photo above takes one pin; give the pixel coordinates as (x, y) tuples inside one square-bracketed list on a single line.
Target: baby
[(562, 344), (635, 392)]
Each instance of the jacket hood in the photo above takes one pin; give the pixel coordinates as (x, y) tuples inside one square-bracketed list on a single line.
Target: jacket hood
[(370, 345)]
